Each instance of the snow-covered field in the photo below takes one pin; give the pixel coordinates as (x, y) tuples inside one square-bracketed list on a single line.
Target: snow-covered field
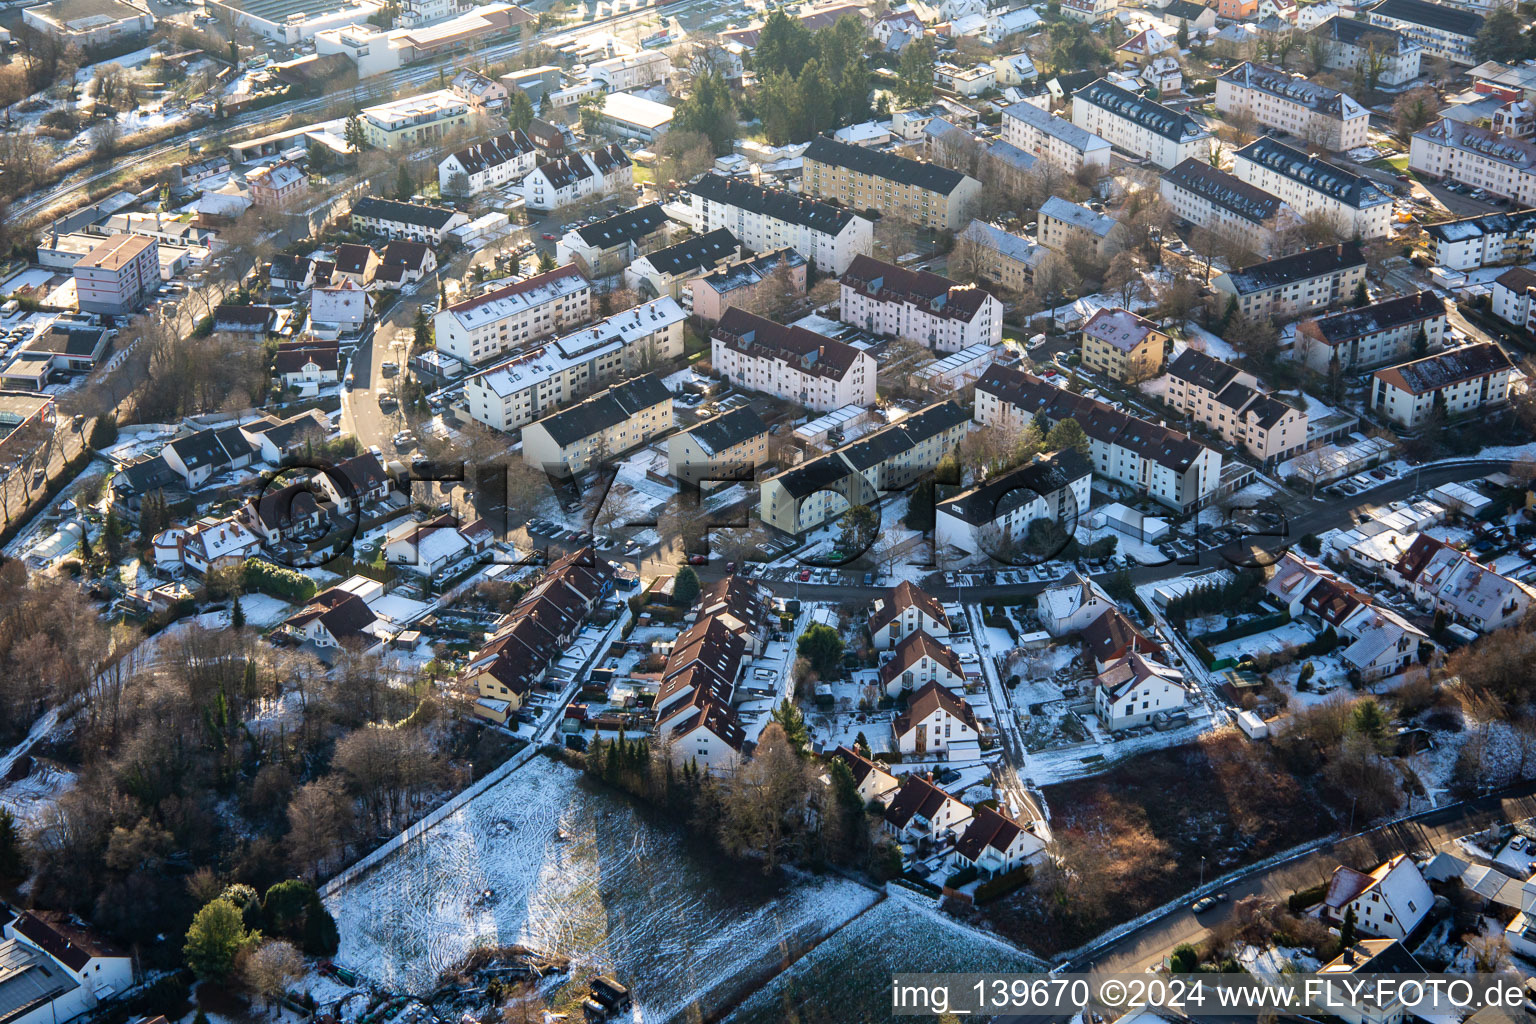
[(582, 872)]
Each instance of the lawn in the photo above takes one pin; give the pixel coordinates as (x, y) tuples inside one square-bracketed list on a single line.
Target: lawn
[(1396, 164)]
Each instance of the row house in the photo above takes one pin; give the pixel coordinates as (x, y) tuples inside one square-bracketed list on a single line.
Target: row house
[(1290, 103), (526, 642), (909, 190), (1373, 335), (892, 458), (415, 221), (608, 424), (1487, 240), (1230, 404), (695, 713), (1457, 151), (1297, 284), (570, 179), (730, 446), (1144, 128), (1457, 381), (1355, 205), (490, 164), (529, 385), (791, 363), (1441, 30), (1000, 517), (764, 218), (509, 318), (1445, 579), (921, 812), (608, 246), (1056, 140), (904, 610), (917, 662), (1350, 45), (1123, 345), (1380, 642), (889, 300), (1165, 465), (1227, 206)]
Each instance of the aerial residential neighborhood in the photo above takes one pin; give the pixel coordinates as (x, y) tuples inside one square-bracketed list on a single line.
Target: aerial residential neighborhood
[(648, 510)]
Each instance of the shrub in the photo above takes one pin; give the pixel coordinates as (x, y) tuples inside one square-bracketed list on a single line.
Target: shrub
[(964, 876), (1002, 885), (1311, 544), (1304, 898), (277, 580)]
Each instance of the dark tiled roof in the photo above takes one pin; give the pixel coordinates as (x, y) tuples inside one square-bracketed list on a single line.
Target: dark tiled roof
[(626, 227), (1445, 368), (805, 350), (930, 177), (1198, 368), (988, 829), (1379, 316), (1005, 493), (494, 152), (695, 253), (1225, 190), (780, 204), (1149, 114), (728, 429), (434, 218), (903, 596), (1284, 270), (886, 282), (917, 796), (1359, 33), (605, 409), (1454, 20), (1315, 173)]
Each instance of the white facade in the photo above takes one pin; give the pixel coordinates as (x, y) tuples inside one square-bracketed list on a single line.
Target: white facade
[(1310, 185), (1460, 381), (764, 218), (791, 363), (498, 321), (956, 322), (1054, 139), (1292, 104), (578, 176), (1131, 691), (506, 158), (635, 71), (1142, 127)]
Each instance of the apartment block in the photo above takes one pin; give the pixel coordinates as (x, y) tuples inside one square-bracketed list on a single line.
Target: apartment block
[(1355, 205), (577, 176), (1382, 332), (1442, 30), (608, 246), (1167, 466), (1141, 127), (1513, 292), (519, 390), (1061, 220), (1003, 258), (820, 490), (1488, 240), (996, 517), (863, 179), (1459, 381), (118, 275), (726, 447), (753, 283), (1123, 345), (791, 363), (1231, 404), (667, 271), (613, 421), (1350, 45), (414, 122), (1455, 150), (893, 301), (1056, 140), (1210, 198), (499, 321), (764, 218), (1297, 284), (1278, 99)]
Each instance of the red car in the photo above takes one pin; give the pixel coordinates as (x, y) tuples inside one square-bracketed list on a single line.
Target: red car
[(548, 237), (698, 559), (805, 575)]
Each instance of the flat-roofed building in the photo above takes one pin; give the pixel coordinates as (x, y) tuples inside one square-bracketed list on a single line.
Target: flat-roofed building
[(1226, 205), (1139, 126), (791, 362), (863, 179), (1124, 346), (1350, 45), (1278, 99), (763, 218), (1373, 335), (946, 316), (89, 24), (1487, 240), (1047, 137), (118, 275), (416, 121), (519, 390), (606, 425), (1293, 285), (1355, 205), (639, 70), (1458, 381), (625, 115), (498, 321)]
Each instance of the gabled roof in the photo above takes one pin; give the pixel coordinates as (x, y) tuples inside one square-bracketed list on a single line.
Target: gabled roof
[(624, 228), (434, 218), (1385, 315), (913, 648), (804, 350), (1227, 191), (1149, 114), (860, 766), (1112, 636), (932, 697), (776, 203), (607, 408), (930, 177), (917, 797), (1197, 368), (1126, 674), (726, 431), (886, 282), (1443, 369), (989, 829), (1315, 173), (901, 597), (1454, 20), (503, 149), (1043, 477), (343, 614), (73, 947), (1301, 266), (694, 253), (1294, 89), (277, 509)]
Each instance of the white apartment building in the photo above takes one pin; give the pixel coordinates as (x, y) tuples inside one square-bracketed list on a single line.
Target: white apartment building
[(997, 516), (791, 363), (1054, 139), (971, 81), (1277, 99), (634, 71), (519, 390), (572, 178), (1454, 150), (764, 218), (1513, 291), (1442, 30), (1483, 241), (945, 316), (1293, 285), (605, 425), (1167, 466), (1459, 380), (1370, 336), (1139, 126), (492, 324), (1231, 404), (1350, 45), (1311, 185), (1225, 204), (489, 164)]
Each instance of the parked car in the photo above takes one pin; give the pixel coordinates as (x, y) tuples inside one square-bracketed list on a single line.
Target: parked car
[(1203, 904), (698, 559)]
